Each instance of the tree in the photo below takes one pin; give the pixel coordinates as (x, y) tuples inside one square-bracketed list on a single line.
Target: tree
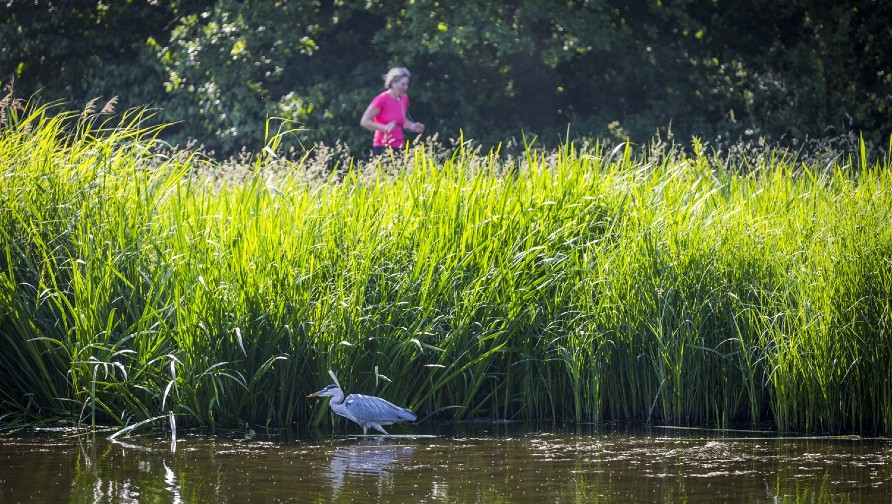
[(224, 70), (76, 50)]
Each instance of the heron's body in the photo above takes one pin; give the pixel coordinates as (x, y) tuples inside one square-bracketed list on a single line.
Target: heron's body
[(367, 411)]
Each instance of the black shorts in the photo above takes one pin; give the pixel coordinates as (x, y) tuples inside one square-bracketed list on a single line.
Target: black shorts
[(377, 151)]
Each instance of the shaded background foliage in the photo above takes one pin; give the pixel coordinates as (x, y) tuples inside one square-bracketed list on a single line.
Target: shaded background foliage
[(783, 70)]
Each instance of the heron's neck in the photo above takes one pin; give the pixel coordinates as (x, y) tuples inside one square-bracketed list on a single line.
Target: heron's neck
[(338, 398)]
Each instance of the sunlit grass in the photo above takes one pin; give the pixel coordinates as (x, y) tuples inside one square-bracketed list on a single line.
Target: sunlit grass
[(582, 284)]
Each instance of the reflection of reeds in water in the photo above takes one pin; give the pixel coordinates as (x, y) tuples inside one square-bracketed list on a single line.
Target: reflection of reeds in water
[(577, 284)]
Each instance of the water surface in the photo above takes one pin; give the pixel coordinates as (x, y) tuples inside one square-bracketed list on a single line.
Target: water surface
[(455, 464)]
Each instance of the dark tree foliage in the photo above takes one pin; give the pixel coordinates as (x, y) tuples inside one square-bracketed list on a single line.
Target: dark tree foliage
[(76, 50), (227, 70)]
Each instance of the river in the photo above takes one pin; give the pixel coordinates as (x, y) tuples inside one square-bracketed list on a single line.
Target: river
[(485, 463)]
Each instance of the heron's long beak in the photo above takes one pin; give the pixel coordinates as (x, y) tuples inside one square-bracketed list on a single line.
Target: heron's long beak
[(314, 394)]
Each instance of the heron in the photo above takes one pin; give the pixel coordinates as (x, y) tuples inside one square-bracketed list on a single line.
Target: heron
[(367, 411)]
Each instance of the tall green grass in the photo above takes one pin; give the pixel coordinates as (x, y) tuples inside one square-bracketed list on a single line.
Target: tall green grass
[(581, 284)]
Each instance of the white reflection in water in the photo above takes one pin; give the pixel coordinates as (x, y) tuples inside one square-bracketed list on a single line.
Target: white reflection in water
[(170, 481), (370, 460)]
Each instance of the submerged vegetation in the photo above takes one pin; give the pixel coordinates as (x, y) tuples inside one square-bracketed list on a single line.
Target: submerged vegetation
[(581, 284)]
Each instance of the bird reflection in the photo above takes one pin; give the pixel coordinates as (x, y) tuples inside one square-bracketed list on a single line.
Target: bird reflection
[(371, 459)]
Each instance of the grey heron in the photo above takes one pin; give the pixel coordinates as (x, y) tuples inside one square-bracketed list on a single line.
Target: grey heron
[(368, 411)]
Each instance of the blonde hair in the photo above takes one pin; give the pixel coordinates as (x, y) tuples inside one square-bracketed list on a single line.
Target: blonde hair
[(394, 74)]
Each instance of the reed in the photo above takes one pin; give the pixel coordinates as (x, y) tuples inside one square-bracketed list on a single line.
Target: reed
[(581, 284)]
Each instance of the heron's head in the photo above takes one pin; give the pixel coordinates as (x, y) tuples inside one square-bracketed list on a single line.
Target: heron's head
[(329, 391)]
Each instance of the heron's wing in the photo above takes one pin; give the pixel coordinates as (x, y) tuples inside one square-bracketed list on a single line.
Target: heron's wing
[(374, 409)]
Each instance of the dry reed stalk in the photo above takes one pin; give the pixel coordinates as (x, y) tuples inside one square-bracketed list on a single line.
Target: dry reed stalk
[(90, 108), (8, 102), (109, 107)]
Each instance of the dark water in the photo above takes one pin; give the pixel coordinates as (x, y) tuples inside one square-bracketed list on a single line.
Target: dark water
[(469, 464)]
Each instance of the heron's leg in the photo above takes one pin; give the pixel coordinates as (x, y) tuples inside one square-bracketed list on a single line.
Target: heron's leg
[(377, 427)]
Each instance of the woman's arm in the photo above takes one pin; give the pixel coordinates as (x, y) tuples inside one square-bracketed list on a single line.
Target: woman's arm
[(368, 120)]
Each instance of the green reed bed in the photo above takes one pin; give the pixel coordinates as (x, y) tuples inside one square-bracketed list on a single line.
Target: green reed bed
[(581, 284)]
